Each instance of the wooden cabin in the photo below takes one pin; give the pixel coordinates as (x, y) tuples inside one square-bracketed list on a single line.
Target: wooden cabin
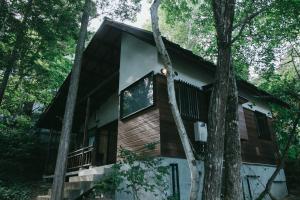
[(122, 101)]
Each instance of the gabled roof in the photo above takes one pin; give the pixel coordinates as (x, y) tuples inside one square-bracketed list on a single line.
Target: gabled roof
[(108, 37)]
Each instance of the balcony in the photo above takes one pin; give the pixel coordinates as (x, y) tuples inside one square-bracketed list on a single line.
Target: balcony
[(81, 158)]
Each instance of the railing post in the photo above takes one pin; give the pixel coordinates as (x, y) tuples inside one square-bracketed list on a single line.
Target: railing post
[(93, 161)]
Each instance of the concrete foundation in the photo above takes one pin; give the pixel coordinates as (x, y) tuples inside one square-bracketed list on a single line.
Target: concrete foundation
[(254, 179)]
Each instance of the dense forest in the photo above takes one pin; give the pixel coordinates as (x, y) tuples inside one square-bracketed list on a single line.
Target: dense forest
[(37, 49)]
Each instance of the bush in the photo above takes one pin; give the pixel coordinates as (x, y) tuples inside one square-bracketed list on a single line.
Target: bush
[(14, 192), (20, 152)]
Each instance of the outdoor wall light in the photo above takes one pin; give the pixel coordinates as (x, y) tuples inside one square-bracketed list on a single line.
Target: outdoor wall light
[(163, 71)]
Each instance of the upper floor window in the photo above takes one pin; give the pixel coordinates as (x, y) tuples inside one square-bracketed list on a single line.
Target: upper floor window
[(262, 126), (137, 96), (191, 100)]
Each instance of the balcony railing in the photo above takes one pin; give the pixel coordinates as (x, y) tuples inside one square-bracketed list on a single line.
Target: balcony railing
[(80, 158)]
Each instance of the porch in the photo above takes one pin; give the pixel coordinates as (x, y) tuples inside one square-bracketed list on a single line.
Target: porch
[(94, 122), (101, 149)]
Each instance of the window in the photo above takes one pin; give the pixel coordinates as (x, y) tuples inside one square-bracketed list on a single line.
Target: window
[(137, 96), (175, 181), (191, 101), (262, 126)]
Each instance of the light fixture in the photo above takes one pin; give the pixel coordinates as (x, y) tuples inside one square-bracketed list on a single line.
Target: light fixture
[(163, 71)]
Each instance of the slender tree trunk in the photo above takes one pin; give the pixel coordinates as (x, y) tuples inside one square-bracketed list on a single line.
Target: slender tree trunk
[(14, 57), (223, 15), (232, 155), (173, 104), (282, 160), (61, 162)]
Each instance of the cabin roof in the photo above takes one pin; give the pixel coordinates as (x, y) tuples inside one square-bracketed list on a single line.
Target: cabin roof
[(104, 47)]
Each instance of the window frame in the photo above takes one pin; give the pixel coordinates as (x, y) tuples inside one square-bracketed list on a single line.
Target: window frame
[(262, 136), (175, 183), (150, 75)]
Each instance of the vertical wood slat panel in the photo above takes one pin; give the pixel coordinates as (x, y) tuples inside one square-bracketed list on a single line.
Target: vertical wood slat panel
[(170, 141), (189, 100), (242, 123), (256, 149)]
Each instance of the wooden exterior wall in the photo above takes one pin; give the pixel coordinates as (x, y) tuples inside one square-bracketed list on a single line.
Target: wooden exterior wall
[(255, 149), (140, 129), (156, 124), (170, 141)]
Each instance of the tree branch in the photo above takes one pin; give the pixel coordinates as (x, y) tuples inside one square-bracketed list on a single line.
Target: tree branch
[(282, 160), (246, 21), (192, 163)]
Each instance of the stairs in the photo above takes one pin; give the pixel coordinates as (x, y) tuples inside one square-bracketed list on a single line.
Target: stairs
[(80, 184)]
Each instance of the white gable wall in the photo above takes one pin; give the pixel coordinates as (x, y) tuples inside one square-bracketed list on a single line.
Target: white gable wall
[(138, 58), (190, 72), (106, 113)]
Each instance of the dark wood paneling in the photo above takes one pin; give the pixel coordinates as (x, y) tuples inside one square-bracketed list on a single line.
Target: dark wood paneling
[(242, 123), (256, 149), (170, 141), (142, 129)]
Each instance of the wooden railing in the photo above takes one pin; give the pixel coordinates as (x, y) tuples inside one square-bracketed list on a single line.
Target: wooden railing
[(80, 158)]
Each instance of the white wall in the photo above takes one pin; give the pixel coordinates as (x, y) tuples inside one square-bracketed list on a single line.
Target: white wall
[(138, 58), (190, 72), (256, 174), (107, 112), (255, 104), (255, 177)]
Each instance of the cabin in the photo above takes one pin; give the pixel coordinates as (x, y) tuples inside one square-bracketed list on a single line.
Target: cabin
[(122, 102)]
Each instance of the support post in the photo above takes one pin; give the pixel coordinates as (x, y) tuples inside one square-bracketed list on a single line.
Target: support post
[(85, 130)]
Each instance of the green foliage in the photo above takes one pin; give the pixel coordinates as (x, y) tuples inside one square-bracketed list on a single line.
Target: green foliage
[(136, 172), (15, 192), (20, 151), (264, 42)]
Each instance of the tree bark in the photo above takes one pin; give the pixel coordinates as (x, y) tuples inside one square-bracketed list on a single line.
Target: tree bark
[(223, 15), (61, 162), (173, 104), (232, 155), (14, 57), (282, 160)]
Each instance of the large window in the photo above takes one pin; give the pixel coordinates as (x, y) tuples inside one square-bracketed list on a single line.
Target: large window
[(262, 126), (137, 96)]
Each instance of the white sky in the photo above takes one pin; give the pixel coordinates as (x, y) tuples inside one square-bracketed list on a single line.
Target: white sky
[(142, 17)]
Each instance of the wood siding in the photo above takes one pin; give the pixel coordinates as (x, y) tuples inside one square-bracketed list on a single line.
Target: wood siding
[(141, 129), (242, 123), (156, 124), (255, 149), (170, 141)]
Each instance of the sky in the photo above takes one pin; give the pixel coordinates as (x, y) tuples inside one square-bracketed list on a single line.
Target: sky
[(142, 17)]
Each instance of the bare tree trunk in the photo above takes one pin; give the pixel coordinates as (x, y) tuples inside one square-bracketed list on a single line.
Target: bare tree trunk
[(282, 160), (223, 14), (173, 104), (61, 162), (232, 155), (14, 57)]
